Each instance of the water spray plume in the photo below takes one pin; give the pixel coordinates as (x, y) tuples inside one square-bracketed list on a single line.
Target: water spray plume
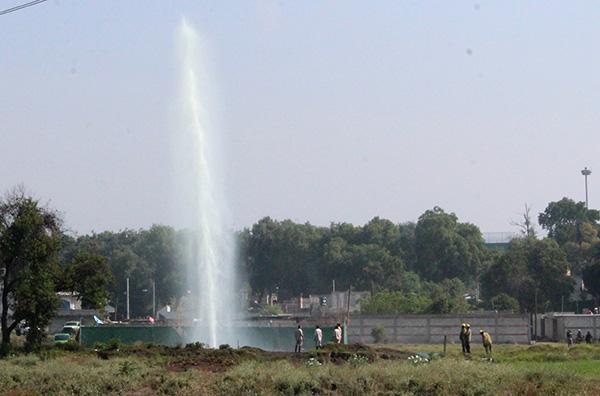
[(211, 264)]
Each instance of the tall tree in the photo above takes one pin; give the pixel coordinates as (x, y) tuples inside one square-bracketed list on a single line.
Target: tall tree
[(89, 276), (381, 232), (446, 248), (284, 255), (525, 225), (530, 268), (29, 245), (563, 220), (160, 248), (448, 296)]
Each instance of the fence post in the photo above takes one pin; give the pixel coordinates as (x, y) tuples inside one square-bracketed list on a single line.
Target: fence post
[(428, 330)]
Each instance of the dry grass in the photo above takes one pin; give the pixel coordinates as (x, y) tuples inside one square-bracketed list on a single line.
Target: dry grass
[(517, 370)]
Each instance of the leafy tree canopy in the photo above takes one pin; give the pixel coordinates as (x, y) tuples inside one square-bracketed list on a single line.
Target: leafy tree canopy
[(446, 248), (564, 220), (528, 268), (29, 246)]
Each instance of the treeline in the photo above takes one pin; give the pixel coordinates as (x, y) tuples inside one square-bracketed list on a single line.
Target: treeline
[(431, 263), (539, 274), (149, 258), (437, 264)]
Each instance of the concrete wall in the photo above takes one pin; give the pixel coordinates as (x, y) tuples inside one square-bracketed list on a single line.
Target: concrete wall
[(556, 326), (426, 329)]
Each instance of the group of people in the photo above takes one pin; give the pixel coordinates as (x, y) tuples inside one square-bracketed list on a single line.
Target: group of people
[(579, 338), (317, 338), (465, 339)]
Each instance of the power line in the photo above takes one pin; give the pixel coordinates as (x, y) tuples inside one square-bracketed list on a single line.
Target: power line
[(16, 8)]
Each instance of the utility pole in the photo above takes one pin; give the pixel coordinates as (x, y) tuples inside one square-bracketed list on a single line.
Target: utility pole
[(153, 298), (586, 172), (535, 315), (127, 299)]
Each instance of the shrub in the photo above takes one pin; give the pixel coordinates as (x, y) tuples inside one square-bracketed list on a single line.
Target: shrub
[(71, 346), (378, 334), (504, 302), (271, 310), (126, 367)]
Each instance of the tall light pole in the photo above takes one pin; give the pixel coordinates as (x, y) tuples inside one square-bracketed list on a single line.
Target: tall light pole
[(586, 172), (127, 299), (153, 298)]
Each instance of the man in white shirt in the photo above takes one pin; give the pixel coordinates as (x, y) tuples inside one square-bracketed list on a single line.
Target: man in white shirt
[(299, 335), (337, 333), (318, 338)]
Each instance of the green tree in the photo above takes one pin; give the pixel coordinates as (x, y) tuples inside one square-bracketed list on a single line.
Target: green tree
[(575, 228), (160, 249), (381, 232), (563, 220), (89, 275), (375, 267), (530, 267), (448, 296), (407, 242), (504, 302), (125, 263), (29, 245), (446, 248), (591, 276), (395, 302), (284, 255)]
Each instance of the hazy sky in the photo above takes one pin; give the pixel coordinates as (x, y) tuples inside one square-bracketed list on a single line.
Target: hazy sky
[(329, 110)]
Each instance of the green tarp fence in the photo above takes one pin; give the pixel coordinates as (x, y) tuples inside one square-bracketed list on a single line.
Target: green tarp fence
[(269, 338)]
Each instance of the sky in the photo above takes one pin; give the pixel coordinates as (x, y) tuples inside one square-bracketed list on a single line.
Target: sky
[(327, 111)]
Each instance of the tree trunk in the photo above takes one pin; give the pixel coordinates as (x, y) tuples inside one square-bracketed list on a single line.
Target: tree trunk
[(5, 344)]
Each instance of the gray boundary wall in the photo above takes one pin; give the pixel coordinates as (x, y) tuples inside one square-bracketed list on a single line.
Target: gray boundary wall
[(430, 329), (554, 326)]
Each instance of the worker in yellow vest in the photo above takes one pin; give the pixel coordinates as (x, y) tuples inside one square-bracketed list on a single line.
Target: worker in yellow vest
[(487, 342)]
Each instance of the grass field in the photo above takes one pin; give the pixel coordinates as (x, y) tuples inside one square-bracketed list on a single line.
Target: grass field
[(541, 369)]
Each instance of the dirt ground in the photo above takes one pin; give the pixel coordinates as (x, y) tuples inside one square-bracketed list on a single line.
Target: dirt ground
[(220, 360)]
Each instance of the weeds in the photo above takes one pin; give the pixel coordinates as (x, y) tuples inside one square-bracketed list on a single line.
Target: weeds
[(356, 360), (126, 367), (136, 370)]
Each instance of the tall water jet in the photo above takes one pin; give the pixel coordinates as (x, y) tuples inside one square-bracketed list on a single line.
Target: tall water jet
[(211, 255)]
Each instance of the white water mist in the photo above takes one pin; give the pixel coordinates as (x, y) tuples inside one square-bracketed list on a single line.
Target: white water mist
[(211, 250)]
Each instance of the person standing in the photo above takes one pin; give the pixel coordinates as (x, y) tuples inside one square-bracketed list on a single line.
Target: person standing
[(461, 336), (337, 334), (588, 337), (569, 338), (299, 335), (486, 338), (318, 338), (468, 337)]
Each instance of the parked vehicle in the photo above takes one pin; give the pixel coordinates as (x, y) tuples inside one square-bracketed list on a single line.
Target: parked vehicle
[(74, 325), (72, 328), (61, 338)]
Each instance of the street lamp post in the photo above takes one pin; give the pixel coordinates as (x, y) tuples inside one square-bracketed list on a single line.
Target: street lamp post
[(586, 172), (153, 298), (127, 299)]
